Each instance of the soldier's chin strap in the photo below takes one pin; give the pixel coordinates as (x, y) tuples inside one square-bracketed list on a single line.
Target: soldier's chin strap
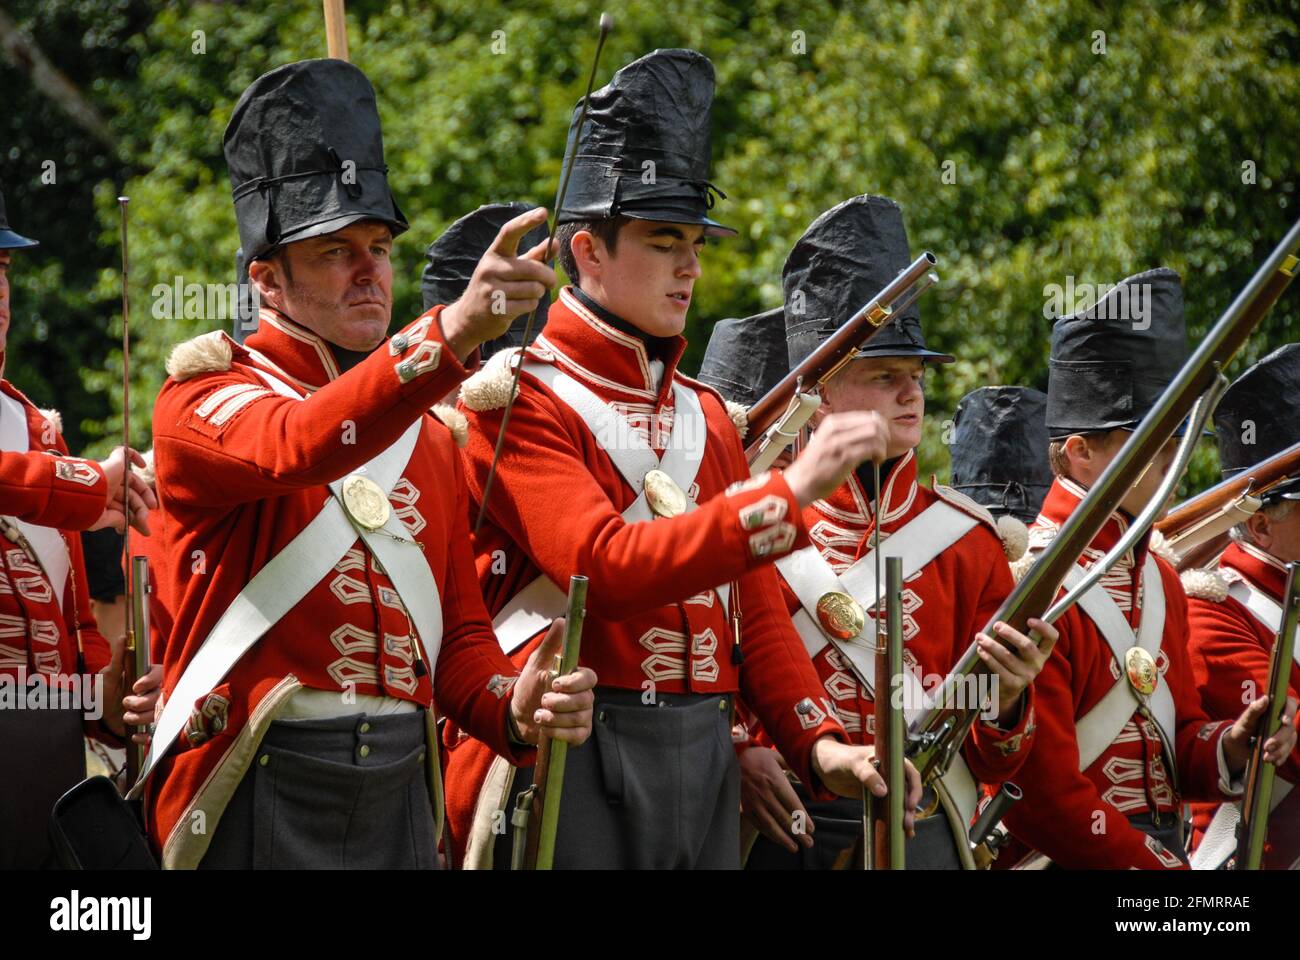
[(606, 24)]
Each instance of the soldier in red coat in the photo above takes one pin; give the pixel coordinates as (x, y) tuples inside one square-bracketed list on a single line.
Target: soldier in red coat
[(318, 558), (955, 568), (618, 467), (1235, 608), (1123, 739), (60, 678)]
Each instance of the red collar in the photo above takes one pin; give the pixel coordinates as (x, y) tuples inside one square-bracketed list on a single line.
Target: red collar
[(1061, 500), (842, 524), (303, 356), (601, 356), (1259, 568)]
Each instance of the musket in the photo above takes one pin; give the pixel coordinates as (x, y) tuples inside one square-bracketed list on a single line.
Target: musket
[(884, 816), (535, 832), (937, 733), (131, 670), (780, 413), (1257, 802), (1197, 529), (606, 25)]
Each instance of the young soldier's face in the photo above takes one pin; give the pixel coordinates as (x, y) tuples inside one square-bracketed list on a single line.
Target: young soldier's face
[(1088, 460), (339, 285), (892, 386), (649, 278), (4, 297)]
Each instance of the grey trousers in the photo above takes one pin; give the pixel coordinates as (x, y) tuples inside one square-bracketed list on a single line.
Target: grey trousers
[(656, 787), (838, 823), (343, 793), (42, 756)]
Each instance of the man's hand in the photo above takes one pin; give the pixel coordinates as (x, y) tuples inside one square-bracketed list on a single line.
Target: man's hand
[(560, 707), (1016, 670), (840, 443), (1236, 742), (848, 769), (768, 800), (141, 495), (144, 705), (505, 284)]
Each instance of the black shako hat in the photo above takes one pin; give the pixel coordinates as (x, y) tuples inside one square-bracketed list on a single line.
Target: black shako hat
[(306, 156), (644, 148), (746, 358), (844, 259), (1259, 416), (455, 254), (999, 450), (1110, 363), (8, 239)]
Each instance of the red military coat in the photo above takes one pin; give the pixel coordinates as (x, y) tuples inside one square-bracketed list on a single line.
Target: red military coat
[(653, 617), (241, 471), (42, 485), (1230, 647), (1079, 819), (945, 605)]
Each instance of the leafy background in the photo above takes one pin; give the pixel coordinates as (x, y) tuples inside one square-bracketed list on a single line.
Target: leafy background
[(1067, 160)]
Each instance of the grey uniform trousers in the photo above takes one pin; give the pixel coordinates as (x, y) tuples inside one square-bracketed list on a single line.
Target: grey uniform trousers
[(340, 793), (656, 787)]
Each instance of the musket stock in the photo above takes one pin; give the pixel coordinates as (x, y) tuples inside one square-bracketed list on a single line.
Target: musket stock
[(552, 755), (1197, 529), (1260, 776), (936, 735)]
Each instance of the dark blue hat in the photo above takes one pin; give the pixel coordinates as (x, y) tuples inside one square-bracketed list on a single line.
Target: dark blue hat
[(306, 156), (454, 255), (644, 148), (846, 257), (1111, 362), (999, 450), (8, 239), (746, 358), (1259, 416)]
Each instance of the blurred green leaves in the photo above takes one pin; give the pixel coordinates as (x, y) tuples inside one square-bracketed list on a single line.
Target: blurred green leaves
[(1064, 161)]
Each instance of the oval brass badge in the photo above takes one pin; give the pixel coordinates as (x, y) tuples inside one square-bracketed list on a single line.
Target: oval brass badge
[(840, 615), (365, 502), (665, 498), (1141, 669)]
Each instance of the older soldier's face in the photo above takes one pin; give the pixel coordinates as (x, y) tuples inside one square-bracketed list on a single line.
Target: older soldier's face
[(339, 285), (4, 297)]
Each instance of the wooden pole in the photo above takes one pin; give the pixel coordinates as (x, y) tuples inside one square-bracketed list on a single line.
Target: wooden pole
[(336, 30)]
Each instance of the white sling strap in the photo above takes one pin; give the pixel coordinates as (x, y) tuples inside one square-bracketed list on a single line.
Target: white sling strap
[(1262, 607), (810, 576), (291, 574), (48, 544), (918, 542), (532, 609), (1103, 723), (1220, 840)]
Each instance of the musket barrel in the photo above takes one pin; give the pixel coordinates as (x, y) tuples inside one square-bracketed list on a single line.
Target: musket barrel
[(558, 752), (933, 736)]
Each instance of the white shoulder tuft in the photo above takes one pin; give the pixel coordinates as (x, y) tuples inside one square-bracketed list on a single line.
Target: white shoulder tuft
[(489, 387), (208, 353), (454, 421), (739, 416), (1205, 584)]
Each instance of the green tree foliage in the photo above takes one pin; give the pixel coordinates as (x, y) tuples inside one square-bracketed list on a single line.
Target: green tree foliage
[(1027, 142)]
